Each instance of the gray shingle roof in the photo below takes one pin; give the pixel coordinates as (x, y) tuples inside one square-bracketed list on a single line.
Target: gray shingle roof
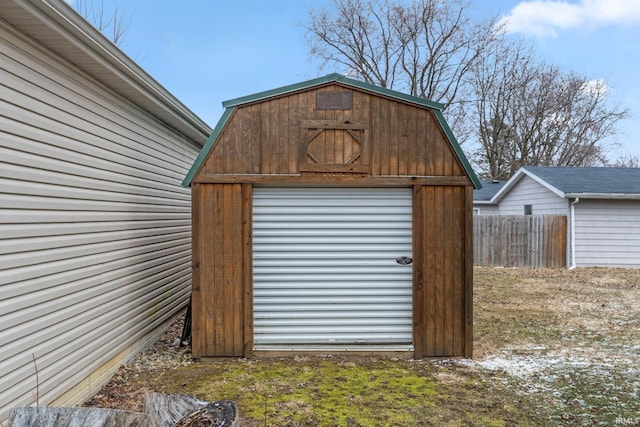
[(594, 180), (488, 190)]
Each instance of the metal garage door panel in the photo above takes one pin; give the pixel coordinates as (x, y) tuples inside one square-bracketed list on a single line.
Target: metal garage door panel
[(325, 269)]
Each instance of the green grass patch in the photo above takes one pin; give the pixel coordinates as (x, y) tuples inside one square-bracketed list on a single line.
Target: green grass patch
[(344, 391)]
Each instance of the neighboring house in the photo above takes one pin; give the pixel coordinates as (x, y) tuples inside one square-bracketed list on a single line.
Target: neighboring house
[(95, 237), (332, 215), (482, 204), (602, 206)]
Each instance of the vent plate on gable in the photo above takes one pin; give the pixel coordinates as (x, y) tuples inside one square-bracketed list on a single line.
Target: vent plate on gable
[(341, 100)]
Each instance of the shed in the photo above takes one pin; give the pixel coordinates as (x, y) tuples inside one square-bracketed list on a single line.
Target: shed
[(332, 215)]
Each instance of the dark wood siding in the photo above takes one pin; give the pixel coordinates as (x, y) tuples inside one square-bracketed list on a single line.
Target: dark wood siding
[(287, 141), (219, 252), (265, 138), (441, 292)]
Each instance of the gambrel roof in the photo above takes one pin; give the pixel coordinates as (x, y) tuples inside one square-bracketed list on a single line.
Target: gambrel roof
[(335, 78)]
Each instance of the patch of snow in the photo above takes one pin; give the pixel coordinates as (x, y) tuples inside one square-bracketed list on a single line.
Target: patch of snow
[(519, 365)]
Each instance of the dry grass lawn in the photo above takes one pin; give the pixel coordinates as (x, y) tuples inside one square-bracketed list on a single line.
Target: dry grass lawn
[(552, 347), (569, 341)]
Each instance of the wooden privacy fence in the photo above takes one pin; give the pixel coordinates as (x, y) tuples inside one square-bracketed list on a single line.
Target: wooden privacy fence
[(520, 240)]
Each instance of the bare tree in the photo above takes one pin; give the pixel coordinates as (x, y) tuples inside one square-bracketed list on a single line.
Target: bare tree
[(519, 110), (531, 113), (424, 48), (112, 24), (626, 161), (496, 82)]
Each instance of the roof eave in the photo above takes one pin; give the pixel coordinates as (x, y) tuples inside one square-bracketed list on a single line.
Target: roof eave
[(208, 146), (616, 196), (49, 21), (458, 150), (520, 173)]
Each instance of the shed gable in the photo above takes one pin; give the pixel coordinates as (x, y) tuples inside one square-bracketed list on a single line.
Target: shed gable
[(328, 129)]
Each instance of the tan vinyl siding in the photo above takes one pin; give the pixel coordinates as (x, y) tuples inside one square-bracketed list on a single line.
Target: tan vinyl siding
[(529, 192), (608, 233), (95, 240)]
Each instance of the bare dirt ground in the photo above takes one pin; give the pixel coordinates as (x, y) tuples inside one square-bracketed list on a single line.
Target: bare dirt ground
[(552, 347), (126, 388)]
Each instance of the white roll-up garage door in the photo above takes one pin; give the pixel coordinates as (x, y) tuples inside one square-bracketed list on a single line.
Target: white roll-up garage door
[(325, 266)]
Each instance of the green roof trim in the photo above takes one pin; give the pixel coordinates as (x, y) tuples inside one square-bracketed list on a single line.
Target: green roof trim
[(456, 147), (230, 106), (208, 145), (332, 78)]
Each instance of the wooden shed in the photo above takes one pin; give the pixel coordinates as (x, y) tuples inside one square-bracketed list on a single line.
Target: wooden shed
[(332, 215)]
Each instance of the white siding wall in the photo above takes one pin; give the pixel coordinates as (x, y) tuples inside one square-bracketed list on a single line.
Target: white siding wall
[(94, 227), (487, 209), (608, 233), (529, 192)]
